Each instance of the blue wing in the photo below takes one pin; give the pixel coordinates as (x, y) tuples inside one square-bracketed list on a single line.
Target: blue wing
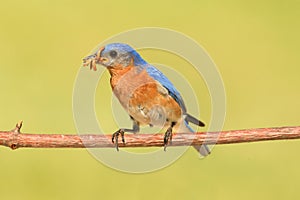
[(162, 79)]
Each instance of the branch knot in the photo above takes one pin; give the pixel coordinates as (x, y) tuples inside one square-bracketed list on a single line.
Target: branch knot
[(13, 142)]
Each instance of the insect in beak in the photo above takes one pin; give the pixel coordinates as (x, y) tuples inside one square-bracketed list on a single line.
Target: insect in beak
[(90, 61), (94, 59)]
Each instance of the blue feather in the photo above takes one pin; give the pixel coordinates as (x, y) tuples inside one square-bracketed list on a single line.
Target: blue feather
[(162, 79), (138, 60), (152, 71)]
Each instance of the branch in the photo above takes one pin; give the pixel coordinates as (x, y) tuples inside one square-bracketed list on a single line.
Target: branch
[(14, 139)]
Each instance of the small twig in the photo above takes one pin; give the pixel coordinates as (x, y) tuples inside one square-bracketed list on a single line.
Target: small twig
[(14, 139)]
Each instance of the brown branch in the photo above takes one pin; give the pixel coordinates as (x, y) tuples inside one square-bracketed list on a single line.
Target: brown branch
[(14, 139)]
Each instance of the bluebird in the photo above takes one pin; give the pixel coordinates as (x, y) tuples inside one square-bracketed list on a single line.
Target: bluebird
[(144, 92)]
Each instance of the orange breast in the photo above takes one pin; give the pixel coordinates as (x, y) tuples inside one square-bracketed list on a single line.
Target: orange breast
[(143, 97)]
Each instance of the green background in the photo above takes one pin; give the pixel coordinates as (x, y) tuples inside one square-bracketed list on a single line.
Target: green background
[(255, 45)]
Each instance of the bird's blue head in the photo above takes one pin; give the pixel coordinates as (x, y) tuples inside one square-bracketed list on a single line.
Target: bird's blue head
[(114, 55)]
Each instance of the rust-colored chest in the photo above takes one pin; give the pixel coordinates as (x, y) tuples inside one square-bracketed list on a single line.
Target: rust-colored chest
[(125, 82), (146, 100)]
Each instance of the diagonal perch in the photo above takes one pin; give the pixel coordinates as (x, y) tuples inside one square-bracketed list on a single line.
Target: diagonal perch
[(14, 139)]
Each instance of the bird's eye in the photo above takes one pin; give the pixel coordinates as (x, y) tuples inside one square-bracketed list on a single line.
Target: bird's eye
[(113, 54)]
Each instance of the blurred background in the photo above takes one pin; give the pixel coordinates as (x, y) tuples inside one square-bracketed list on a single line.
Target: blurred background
[(255, 45)]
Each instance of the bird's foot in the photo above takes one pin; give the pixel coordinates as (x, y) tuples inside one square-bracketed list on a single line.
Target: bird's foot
[(168, 138), (116, 136)]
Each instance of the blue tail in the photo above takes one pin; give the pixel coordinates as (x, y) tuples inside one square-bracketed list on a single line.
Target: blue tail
[(202, 149)]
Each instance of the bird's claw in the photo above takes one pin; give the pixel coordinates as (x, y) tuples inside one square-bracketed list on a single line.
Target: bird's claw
[(116, 136), (168, 138)]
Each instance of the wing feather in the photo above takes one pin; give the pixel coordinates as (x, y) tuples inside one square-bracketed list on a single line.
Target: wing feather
[(166, 83)]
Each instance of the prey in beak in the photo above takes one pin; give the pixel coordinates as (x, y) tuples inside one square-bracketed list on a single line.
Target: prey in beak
[(93, 60)]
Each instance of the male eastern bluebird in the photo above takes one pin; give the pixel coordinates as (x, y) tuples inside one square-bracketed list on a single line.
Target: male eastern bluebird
[(145, 93)]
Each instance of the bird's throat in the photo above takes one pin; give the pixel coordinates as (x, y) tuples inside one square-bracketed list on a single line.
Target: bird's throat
[(117, 72)]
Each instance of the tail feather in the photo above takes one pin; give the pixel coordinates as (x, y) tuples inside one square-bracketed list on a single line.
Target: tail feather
[(202, 149), (190, 118)]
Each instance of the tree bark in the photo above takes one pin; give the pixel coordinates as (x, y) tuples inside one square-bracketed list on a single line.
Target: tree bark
[(15, 139)]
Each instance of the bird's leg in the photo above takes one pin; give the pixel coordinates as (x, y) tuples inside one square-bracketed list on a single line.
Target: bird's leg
[(135, 129), (168, 135), (116, 135), (135, 126)]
